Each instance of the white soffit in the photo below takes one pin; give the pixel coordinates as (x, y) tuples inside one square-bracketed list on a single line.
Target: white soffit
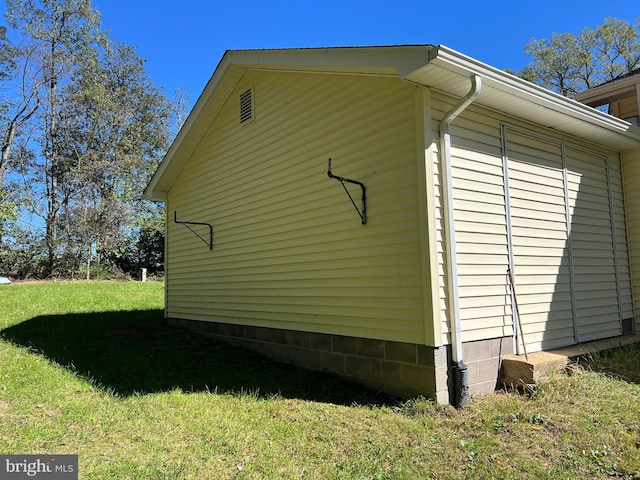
[(450, 72)]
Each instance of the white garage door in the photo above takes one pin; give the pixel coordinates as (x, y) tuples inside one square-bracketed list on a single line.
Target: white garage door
[(562, 241)]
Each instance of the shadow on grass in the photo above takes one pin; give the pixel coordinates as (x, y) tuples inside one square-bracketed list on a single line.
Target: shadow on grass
[(136, 352), (622, 363)]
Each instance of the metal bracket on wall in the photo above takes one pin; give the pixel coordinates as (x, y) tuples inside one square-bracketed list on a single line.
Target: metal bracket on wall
[(186, 224), (362, 212)]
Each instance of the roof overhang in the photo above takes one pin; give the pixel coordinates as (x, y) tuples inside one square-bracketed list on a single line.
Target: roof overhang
[(438, 67), (451, 72), (612, 91)]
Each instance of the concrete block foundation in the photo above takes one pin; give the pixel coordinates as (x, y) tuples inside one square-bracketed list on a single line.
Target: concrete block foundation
[(401, 369)]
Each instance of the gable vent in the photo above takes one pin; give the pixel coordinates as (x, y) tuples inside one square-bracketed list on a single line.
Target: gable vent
[(246, 106)]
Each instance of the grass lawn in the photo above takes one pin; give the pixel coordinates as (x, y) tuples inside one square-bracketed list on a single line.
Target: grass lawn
[(91, 369)]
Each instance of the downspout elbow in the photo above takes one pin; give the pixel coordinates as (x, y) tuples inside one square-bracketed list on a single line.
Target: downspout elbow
[(461, 375), (463, 103)]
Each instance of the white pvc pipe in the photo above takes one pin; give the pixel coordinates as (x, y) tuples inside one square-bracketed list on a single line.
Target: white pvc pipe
[(450, 234)]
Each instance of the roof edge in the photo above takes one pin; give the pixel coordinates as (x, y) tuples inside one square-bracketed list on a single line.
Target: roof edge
[(151, 192), (613, 90), (403, 61), (509, 82)]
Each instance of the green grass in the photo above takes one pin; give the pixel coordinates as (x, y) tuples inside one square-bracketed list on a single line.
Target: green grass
[(90, 368)]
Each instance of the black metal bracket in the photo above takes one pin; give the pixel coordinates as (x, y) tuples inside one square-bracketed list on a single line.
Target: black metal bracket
[(363, 211), (186, 224)]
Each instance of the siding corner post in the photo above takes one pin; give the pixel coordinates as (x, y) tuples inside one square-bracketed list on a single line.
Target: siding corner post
[(425, 152), (461, 377)]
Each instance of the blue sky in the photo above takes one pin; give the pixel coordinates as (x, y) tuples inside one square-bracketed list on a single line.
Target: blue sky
[(183, 41)]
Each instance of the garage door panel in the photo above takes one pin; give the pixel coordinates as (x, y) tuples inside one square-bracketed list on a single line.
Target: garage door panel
[(591, 254), (533, 220), (540, 215), (605, 272), (554, 339), (522, 190), (597, 333), (596, 293), (595, 219), (557, 320), (560, 273), (532, 205), (601, 314), (563, 268), (528, 233), (530, 242), (543, 298), (540, 264)]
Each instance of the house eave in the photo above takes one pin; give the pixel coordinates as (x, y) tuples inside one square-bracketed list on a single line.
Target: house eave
[(450, 72), (611, 91)]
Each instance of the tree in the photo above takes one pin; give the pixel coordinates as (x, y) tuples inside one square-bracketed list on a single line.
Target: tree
[(61, 35), (13, 113), (568, 63), (144, 247), (180, 110), (112, 137), (81, 132)]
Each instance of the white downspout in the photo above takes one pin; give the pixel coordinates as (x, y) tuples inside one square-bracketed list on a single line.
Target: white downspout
[(461, 376)]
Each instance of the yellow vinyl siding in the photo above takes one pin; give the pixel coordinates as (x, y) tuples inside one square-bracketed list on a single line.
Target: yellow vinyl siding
[(289, 248), (595, 277), (542, 244), (481, 234), (631, 179), (622, 239)]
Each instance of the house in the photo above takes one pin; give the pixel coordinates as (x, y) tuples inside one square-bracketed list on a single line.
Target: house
[(380, 211), (621, 95)]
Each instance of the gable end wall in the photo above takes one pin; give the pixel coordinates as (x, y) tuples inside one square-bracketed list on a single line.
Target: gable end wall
[(289, 250)]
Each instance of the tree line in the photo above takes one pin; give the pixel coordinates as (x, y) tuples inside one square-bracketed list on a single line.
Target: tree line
[(82, 129)]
